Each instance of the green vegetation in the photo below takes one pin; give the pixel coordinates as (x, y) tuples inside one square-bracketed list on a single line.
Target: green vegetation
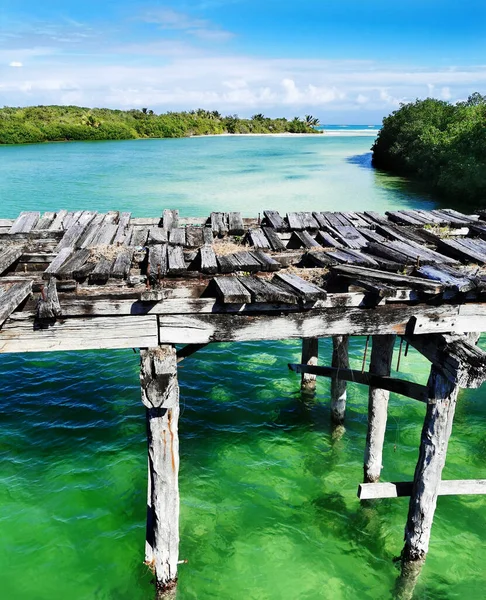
[(61, 123), (441, 144)]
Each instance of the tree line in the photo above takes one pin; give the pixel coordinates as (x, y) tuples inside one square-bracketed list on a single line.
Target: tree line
[(438, 143), (64, 123)]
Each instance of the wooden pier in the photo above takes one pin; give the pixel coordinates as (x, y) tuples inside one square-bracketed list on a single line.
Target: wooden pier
[(84, 280)]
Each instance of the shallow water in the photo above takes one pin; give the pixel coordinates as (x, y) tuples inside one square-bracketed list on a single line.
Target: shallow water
[(268, 492)]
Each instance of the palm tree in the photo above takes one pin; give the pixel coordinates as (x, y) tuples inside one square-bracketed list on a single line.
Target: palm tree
[(311, 121), (258, 117)]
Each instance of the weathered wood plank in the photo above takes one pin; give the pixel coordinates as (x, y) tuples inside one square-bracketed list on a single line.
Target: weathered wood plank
[(310, 355), (267, 262), (11, 296), (170, 219), (207, 260), (235, 224), (101, 272), (219, 224), (257, 238), (275, 221), (194, 237), (122, 229), (49, 306), (8, 256), (400, 489), (302, 239), (305, 289), (157, 263), (175, 260), (229, 290), (45, 221), (340, 362), (387, 278), (57, 263), (177, 236), (403, 387), (72, 268), (273, 238), (122, 263), (262, 290), (156, 235), (25, 222)]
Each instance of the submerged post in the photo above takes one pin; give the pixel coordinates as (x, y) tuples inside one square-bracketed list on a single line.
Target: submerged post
[(340, 360), (160, 395), (432, 456), (380, 364), (310, 354)]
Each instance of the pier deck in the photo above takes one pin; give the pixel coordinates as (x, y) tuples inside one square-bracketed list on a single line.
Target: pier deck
[(85, 280)]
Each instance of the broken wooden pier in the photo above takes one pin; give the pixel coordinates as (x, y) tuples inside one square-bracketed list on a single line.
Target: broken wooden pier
[(85, 280)]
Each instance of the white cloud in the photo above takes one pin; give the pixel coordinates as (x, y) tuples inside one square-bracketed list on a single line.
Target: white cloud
[(445, 93), (168, 18), (16, 63)]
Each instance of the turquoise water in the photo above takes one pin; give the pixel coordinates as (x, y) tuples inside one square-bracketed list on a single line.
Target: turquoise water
[(268, 490)]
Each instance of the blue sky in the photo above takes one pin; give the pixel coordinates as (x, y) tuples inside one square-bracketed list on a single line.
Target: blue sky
[(345, 62)]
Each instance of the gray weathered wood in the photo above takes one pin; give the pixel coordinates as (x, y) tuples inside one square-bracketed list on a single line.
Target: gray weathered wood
[(157, 263), (72, 266), (400, 489), (207, 260), (340, 361), (219, 224), (170, 219), (310, 355), (230, 291), (8, 256), (267, 262), (49, 306), (235, 224), (177, 236), (304, 288), (160, 395), (461, 361), (45, 221), (380, 364), (275, 221), (262, 290), (122, 263), (175, 260), (11, 295), (194, 237), (273, 238), (56, 224), (57, 263), (101, 272), (257, 238), (302, 239), (432, 456), (403, 387), (207, 235), (25, 222), (157, 235), (122, 228)]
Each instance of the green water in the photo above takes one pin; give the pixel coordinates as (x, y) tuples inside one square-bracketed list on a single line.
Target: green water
[(268, 492)]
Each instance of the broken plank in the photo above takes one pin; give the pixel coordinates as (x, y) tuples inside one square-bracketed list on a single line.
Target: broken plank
[(267, 262), (8, 256), (392, 384), (262, 290), (302, 239), (25, 222), (122, 264), (175, 260), (194, 237), (57, 263), (307, 290), (11, 296), (101, 272), (207, 257), (177, 236), (275, 221), (235, 223), (218, 224), (157, 262), (170, 219), (257, 238), (275, 242), (230, 291)]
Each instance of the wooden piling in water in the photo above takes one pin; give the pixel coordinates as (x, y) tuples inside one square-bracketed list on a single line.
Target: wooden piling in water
[(432, 455), (380, 364), (310, 354), (160, 395), (340, 360)]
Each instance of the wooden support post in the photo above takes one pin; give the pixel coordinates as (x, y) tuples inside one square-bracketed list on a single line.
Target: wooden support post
[(310, 353), (432, 456), (380, 364), (160, 395), (340, 360)]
